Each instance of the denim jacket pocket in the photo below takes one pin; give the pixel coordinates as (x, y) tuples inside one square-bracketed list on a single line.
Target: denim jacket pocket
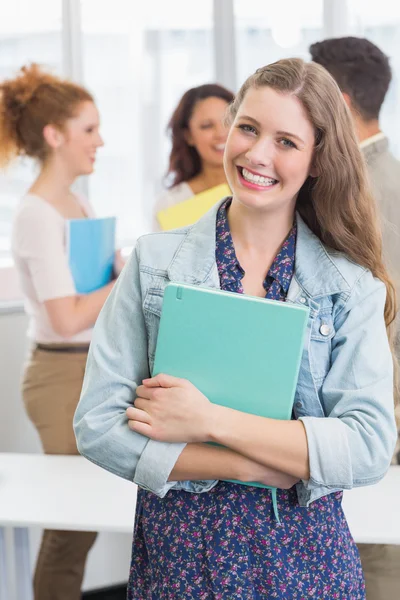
[(322, 332), (152, 307)]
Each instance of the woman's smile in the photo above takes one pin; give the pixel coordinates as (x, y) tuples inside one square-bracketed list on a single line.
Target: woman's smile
[(255, 181)]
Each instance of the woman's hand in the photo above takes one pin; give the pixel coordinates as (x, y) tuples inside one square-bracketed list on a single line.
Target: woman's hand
[(170, 409)]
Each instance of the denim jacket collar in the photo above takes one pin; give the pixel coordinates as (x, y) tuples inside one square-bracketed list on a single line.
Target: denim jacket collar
[(316, 273)]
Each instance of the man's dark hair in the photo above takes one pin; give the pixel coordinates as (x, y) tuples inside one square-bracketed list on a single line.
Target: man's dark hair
[(360, 69)]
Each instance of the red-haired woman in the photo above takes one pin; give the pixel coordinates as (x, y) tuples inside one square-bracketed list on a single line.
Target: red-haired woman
[(55, 122)]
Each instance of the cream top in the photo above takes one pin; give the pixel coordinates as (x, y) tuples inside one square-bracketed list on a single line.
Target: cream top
[(39, 250)]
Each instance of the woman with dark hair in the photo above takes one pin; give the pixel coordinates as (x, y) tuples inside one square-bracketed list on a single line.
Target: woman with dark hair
[(198, 134)]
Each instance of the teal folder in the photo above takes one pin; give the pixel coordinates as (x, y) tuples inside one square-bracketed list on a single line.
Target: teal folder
[(91, 247), (242, 352)]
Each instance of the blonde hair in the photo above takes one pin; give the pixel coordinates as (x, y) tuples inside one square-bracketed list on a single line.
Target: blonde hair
[(29, 102), (338, 205)]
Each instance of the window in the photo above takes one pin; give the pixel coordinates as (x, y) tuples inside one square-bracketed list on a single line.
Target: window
[(138, 59), (380, 23), (29, 32), (267, 31)]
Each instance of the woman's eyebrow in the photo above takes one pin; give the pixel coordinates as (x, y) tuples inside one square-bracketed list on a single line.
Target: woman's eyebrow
[(247, 118), (293, 135)]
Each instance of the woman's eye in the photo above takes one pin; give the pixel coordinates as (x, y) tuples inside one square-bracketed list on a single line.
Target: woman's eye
[(287, 143), (247, 128)]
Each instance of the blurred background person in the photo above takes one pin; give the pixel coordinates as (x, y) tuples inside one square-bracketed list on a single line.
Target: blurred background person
[(55, 122), (363, 74), (198, 135)]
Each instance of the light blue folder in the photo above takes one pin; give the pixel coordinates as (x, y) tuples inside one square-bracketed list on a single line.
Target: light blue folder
[(240, 351), (91, 247)]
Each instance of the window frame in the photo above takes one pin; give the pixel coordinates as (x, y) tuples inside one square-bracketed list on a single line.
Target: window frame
[(335, 23)]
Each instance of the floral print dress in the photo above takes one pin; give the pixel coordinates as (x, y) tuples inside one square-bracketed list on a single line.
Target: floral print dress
[(226, 544)]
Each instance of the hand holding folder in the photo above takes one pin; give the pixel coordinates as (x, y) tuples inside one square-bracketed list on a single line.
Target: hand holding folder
[(241, 352), (189, 211)]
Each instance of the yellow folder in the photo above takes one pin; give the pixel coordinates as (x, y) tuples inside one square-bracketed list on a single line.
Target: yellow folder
[(189, 211)]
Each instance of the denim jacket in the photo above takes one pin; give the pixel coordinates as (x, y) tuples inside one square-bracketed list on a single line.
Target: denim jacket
[(344, 395)]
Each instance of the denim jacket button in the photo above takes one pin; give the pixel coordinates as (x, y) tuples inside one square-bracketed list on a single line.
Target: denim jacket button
[(324, 329), (299, 405), (303, 300)]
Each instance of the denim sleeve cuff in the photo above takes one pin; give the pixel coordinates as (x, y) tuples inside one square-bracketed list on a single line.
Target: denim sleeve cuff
[(155, 465), (329, 453)]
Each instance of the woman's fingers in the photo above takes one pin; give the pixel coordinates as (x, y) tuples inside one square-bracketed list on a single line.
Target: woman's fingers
[(139, 421), (165, 381), (142, 404), (143, 392), (142, 428), (136, 414)]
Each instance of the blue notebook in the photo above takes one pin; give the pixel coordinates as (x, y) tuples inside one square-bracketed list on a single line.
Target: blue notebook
[(91, 247), (240, 351)]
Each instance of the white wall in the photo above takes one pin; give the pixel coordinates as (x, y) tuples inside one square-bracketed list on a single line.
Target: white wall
[(108, 562)]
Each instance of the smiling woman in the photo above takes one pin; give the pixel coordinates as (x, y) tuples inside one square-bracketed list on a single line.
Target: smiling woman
[(270, 152), (198, 134), (300, 227)]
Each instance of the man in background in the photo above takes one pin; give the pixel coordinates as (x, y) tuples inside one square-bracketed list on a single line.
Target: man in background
[(363, 74)]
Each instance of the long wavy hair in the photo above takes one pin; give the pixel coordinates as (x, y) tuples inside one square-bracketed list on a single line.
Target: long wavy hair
[(184, 160), (338, 205)]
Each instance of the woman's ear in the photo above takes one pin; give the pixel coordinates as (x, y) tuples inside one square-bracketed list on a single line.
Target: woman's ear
[(53, 136)]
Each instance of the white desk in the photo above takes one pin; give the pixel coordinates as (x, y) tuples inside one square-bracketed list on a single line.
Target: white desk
[(69, 492), (373, 511), (56, 492)]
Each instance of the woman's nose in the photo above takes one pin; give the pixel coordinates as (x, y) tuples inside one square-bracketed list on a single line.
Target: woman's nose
[(260, 153)]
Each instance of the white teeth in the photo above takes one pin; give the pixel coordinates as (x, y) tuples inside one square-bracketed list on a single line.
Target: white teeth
[(220, 147), (248, 176)]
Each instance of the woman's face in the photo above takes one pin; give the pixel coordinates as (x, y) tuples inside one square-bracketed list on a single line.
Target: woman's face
[(81, 139), (206, 131), (269, 150)]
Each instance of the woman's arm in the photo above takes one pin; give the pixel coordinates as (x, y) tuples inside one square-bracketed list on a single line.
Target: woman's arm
[(351, 446), (203, 462), (281, 445), (117, 363), (172, 409), (39, 243), (72, 314)]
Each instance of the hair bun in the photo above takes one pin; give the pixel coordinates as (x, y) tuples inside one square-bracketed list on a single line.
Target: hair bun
[(29, 101), (22, 88)]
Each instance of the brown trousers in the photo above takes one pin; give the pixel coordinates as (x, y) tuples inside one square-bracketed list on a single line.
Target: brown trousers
[(51, 389), (381, 566)]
